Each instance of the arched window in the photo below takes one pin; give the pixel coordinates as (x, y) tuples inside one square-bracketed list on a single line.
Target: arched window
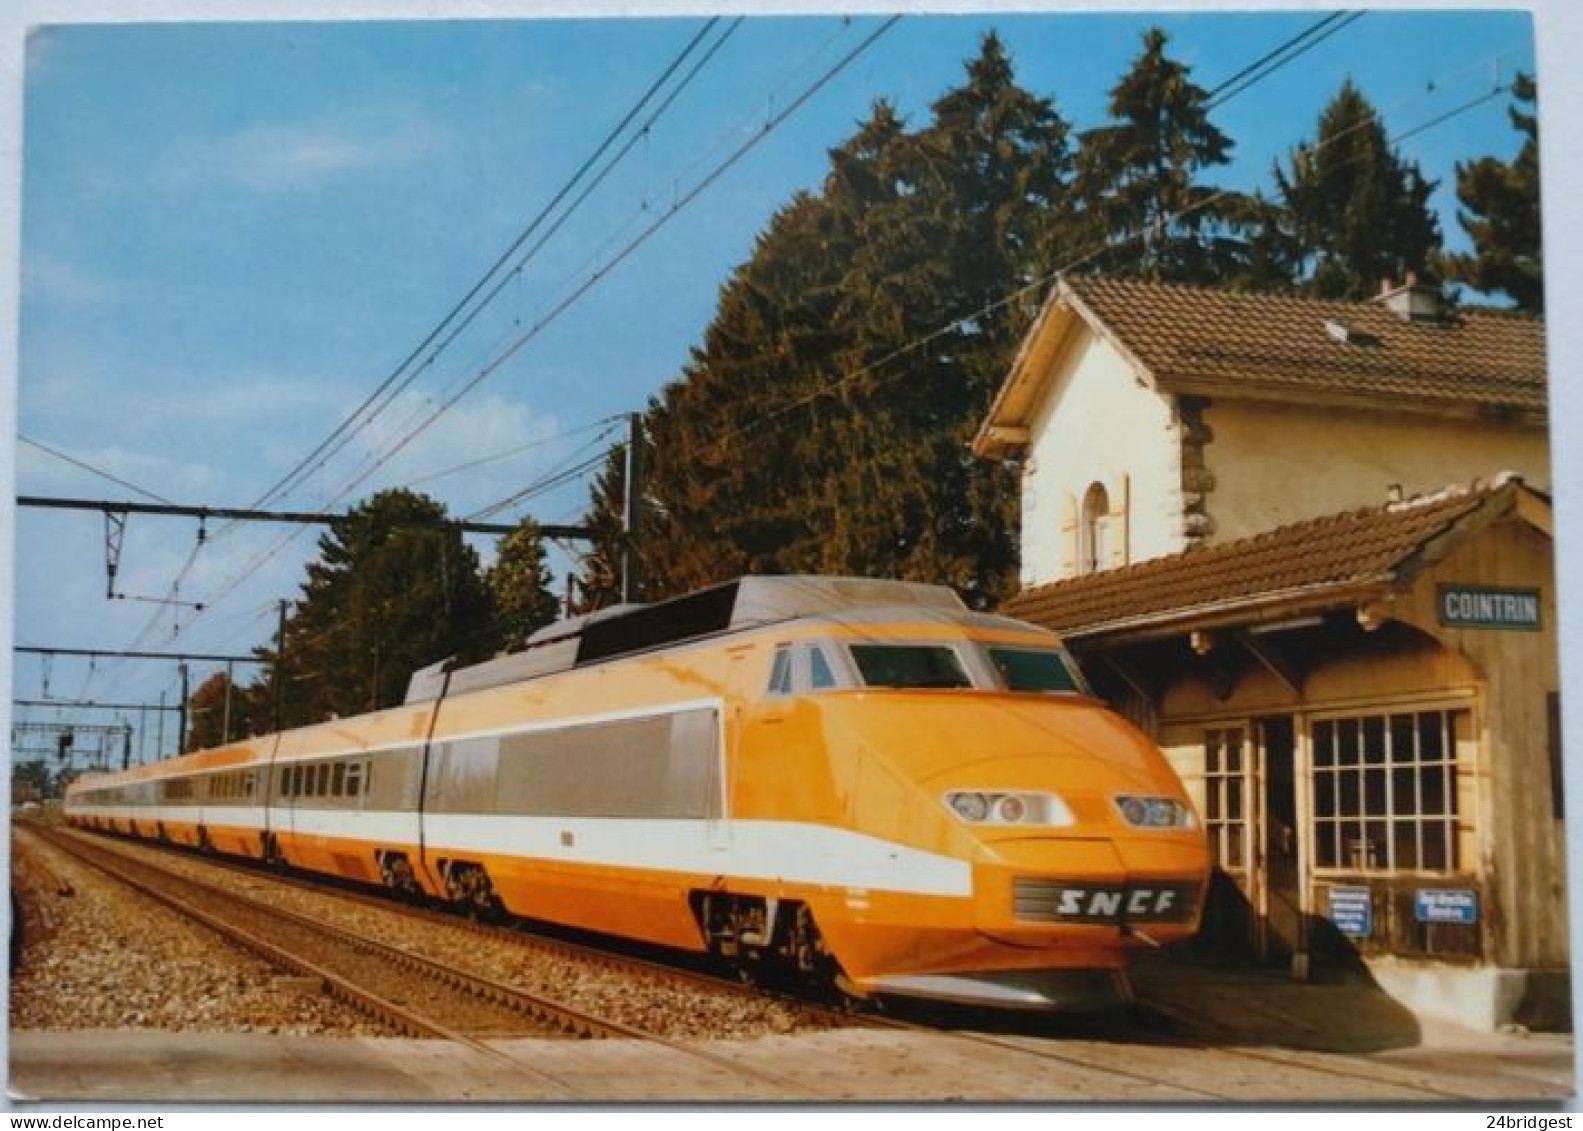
[(1093, 550)]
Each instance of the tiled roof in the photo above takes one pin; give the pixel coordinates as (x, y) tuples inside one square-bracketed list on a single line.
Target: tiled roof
[(1338, 553), (1212, 340)]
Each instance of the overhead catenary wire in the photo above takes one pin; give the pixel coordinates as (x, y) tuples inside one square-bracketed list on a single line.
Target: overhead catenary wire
[(484, 461), (594, 279), (1044, 281), (632, 246), (1282, 55), (86, 466), (348, 426), (547, 483), (356, 421)]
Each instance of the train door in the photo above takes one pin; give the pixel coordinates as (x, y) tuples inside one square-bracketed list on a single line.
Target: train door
[(1278, 842)]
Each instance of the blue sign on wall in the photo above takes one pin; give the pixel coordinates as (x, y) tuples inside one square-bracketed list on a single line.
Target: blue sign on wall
[(1456, 906), (1352, 911)]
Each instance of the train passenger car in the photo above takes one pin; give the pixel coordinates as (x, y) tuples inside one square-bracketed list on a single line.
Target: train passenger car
[(846, 779)]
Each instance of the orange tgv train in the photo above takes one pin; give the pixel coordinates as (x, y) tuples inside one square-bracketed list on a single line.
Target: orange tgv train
[(848, 780)]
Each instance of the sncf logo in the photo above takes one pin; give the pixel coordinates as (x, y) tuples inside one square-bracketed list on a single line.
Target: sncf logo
[(1142, 903)]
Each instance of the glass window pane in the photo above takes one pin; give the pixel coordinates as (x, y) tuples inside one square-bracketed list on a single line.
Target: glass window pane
[(1325, 844), (1033, 669), (909, 666), (780, 671), (1374, 739), (820, 676), (1350, 803), (1324, 795), (1232, 857), (1347, 734), (1432, 784), (1404, 842), (1431, 736), (1374, 792), (1435, 854), (1404, 792), (1324, 744), (1375, 835), (338, 780), (1403, 732)]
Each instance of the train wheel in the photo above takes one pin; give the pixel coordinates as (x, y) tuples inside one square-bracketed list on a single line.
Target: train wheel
[(468, 886), (397, 874), (766, 941)]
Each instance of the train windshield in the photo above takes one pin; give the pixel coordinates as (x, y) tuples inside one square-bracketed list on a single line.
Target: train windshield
[(909, 665), (1036, 669)]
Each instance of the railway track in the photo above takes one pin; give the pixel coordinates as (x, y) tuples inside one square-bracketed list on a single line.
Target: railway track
[(617, 962), (1142, 1053), (414, 995)]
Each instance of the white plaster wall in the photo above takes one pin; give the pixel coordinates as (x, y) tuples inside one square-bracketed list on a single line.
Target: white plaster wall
[(1099, 422), (1275, 464)]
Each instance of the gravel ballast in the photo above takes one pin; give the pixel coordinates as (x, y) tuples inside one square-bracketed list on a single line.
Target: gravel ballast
[(103, 957), (94, 962)]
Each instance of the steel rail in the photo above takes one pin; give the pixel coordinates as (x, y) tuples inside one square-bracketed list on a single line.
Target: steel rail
[(520, 933), (364, 1000), (566, 1018)]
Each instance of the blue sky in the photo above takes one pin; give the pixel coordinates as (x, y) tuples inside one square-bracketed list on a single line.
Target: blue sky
[(232, 233)]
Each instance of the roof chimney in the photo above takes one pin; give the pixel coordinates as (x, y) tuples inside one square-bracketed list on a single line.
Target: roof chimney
[(1412, 301)]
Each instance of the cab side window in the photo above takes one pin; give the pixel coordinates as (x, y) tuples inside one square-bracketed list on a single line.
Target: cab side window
[(781, 672), (820, 677)]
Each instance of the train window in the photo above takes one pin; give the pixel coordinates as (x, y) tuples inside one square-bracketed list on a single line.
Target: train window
[(354, 778), (909, 665), (1034, 669), (323, 789), (338, 780), (780, 672), (820, 676)]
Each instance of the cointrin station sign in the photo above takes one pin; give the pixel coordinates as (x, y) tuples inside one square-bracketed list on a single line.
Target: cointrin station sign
[(1477, 606)]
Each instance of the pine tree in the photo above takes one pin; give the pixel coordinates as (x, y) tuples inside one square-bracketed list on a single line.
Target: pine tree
[(980, 193), (1500, 212), (725, 492), (520, 584), (1138, 179), (823, 424), (598, 582), (1357, 212), (393, 590)]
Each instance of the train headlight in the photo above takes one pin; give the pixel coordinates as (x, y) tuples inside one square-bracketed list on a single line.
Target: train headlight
[(1005, 807), (1155, 812), (971, 807)]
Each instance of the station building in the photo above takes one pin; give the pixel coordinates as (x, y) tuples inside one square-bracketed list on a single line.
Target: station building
[(1308, 547)]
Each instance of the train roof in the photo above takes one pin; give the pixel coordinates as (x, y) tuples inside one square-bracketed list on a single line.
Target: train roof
[(748, 602)]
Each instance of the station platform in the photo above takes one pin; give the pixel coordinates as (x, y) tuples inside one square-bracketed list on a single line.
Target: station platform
[(1241, 1036)]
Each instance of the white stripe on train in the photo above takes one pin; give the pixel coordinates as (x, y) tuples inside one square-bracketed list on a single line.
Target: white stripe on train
[(787, 851)]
